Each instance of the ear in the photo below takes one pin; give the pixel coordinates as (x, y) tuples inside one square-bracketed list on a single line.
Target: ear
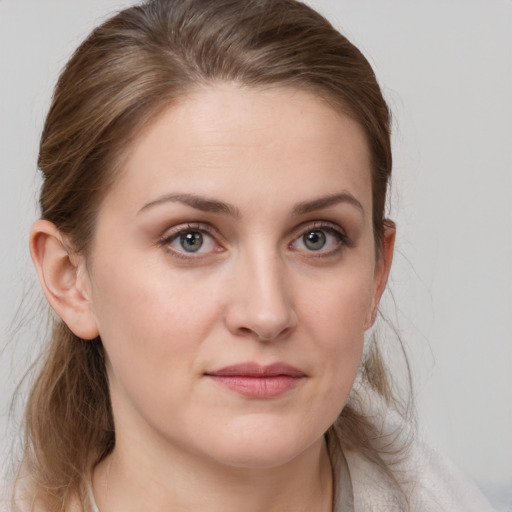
[(63, 278), (382, 268)]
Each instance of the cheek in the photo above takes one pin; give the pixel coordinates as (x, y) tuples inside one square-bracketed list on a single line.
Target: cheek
[(151, 323), (152, 338), (339, 306), (336, 319), (149, 299)]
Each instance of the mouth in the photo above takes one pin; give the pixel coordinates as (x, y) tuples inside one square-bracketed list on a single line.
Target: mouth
[(258, 381)]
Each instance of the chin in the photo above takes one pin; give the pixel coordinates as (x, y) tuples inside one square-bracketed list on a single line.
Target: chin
[(263, 447), (254, 458)]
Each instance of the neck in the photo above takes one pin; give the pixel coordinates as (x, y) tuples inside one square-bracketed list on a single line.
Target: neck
[(130, 479)]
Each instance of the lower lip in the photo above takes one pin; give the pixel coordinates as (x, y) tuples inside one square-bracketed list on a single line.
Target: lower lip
[(257, 387)]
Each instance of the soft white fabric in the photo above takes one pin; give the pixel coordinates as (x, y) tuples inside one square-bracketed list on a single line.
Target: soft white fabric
[(94, 507), (432, 482)]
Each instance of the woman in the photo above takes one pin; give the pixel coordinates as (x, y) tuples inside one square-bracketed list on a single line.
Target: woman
[(213, 241)]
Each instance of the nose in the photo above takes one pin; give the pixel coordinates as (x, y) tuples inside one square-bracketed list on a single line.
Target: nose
[(260, 305)]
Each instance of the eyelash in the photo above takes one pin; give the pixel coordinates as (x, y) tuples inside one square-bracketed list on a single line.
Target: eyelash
[(326, 227)]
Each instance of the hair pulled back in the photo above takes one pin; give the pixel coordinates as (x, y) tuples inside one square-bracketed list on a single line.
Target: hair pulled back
[(127, 71)]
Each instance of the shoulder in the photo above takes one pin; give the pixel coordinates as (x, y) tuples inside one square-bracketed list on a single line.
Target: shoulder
[(439, 485), (430, 482)]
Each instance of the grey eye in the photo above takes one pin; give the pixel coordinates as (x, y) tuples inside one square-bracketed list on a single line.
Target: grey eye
[(314, 240), (191, 241)]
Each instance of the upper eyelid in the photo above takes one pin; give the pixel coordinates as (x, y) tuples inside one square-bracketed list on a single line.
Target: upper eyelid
[(173, 232), (318, 224)]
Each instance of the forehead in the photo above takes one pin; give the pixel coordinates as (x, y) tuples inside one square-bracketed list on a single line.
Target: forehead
[(228, 139)]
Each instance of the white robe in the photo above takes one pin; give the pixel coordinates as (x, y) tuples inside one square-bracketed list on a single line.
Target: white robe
[(435, 485), (430, 481)]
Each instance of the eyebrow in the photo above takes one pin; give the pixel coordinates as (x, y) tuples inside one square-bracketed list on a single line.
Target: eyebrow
[(325, 202), (206, 204)]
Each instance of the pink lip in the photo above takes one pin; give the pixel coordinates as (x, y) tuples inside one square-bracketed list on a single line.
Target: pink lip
[(257, 381)]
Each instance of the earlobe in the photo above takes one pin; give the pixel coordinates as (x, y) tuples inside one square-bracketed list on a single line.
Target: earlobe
[(382, 268), (59, 272)]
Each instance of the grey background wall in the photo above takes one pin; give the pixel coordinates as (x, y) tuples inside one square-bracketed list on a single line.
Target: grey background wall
[(446, 70)]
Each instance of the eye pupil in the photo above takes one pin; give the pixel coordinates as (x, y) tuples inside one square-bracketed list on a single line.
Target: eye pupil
[(314, 240), (191, 241)]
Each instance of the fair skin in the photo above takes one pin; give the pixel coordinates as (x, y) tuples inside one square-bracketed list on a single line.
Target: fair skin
[(238, 236)]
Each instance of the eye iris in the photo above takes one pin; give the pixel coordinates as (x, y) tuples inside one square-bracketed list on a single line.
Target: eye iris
[(191, 241), (314, 240)]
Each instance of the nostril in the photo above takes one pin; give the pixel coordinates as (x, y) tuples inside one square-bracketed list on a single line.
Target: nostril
[(264, 336), (245, 331)]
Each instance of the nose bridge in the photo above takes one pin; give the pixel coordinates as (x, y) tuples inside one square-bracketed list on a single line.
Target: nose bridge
[(262, 305)]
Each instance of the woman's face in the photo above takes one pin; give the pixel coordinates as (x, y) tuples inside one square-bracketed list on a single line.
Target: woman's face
[(233, 275)]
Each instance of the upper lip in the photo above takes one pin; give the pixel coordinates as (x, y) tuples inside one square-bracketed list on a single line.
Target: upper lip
[(257, 370)]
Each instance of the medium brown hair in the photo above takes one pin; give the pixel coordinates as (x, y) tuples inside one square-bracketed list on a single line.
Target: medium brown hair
[(127, 71)]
